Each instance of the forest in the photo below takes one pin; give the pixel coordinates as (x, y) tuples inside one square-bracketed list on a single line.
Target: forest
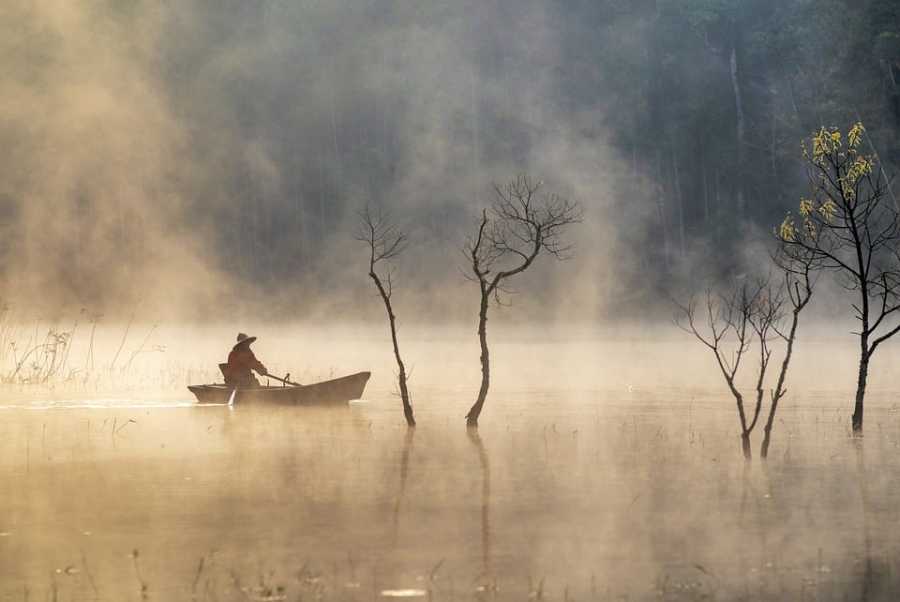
[(240, 139)]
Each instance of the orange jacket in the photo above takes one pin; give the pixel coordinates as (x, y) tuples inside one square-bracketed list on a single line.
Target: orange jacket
[(240, 362)]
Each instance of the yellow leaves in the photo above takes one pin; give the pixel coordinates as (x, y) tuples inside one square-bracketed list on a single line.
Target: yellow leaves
[(825, 142), (818, 148), (829, 141), (787, 231), (841, 180), (854, 137), (861, 166), (828, 209), (849, 165), (806, 207)]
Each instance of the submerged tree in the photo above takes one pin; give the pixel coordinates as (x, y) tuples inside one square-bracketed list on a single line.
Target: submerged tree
[(726, 328), (751, 315), (386, 242), (849, 226), (521, 224), (798, 285)]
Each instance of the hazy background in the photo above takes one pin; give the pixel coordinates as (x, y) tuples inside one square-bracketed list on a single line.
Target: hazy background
[(200, 159), (183, 169)]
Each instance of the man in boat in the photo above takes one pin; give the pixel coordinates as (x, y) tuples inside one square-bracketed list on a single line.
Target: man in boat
[(241, 364)]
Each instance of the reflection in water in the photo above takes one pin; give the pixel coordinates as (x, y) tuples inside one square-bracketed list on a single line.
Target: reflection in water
[(485, 464), (868, 584), (404, 471), (591, 494)]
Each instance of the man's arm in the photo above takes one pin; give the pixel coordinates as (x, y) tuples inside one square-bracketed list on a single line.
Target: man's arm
[(257, 365)]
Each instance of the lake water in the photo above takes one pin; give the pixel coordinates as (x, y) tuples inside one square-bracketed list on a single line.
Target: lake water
[(585, 481)]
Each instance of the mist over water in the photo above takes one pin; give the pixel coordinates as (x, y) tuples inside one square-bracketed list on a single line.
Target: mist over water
[(602, 493), (177, 172), (588, 472)]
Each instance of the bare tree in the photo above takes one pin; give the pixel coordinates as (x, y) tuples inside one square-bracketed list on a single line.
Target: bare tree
[(725, 328), (798, 284), (386, 242), (752, 316), (521, 224), (850, 228), (765, 315)]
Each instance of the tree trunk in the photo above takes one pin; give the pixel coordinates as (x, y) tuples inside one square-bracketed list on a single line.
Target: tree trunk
[(475, 411), (401, 377), (661, 210), (745, 432), (739, 109), (857, 420), (705, 193), (680, 200), (779, 386), (404, 392), (764, 448), (773, 149)]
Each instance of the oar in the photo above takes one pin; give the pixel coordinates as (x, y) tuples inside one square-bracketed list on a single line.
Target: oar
[(284, 380)]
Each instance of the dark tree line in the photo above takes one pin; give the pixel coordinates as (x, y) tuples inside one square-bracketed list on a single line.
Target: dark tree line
[(704, 103), (707, 103), (286, 111)]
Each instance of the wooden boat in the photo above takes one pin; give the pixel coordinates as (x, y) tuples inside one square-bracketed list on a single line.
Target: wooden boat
[(330, 392)]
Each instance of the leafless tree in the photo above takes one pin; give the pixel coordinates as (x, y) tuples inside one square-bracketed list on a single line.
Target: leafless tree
[(521, 224), (798, 285), (766, 313), (386, 242), (752, 315), (850, 228), (725, 328)]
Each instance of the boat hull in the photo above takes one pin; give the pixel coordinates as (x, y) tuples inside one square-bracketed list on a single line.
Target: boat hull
[(330, 392)]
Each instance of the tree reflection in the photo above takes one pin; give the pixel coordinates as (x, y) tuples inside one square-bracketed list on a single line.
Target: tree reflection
[(484, 461), (404, 471)]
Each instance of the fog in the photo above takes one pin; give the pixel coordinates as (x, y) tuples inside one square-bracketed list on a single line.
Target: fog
[(179, 171), (195, 159), (598, 470)]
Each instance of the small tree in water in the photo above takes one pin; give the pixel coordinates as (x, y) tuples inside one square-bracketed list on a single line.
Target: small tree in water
[(849, 227), (751, 316), (798, 284), (726, 325), (386, 242), (521, 224)]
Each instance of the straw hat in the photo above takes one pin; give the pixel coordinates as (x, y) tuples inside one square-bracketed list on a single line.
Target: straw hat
[(243, 338)]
